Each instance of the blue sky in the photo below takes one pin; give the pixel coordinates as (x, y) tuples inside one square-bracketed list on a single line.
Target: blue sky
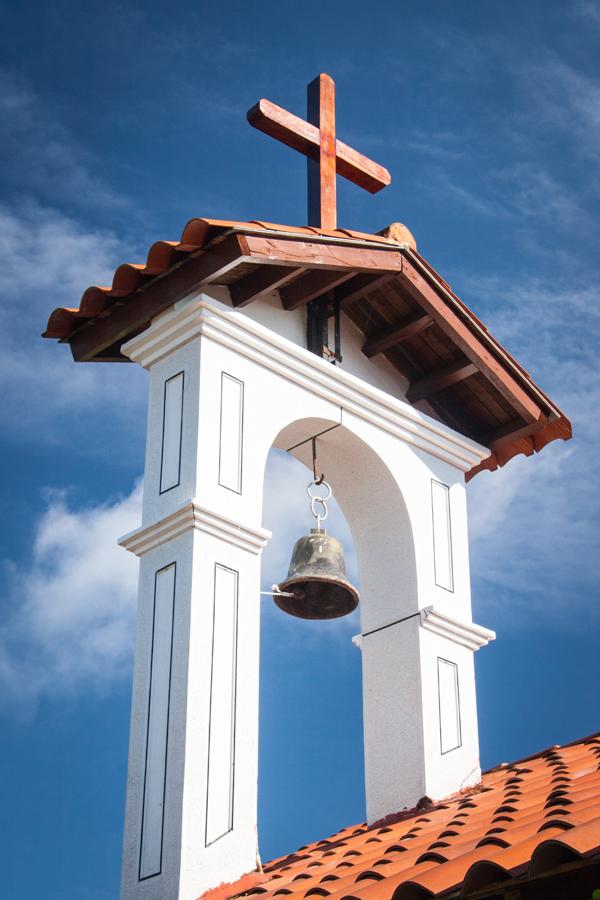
[(120, 122)]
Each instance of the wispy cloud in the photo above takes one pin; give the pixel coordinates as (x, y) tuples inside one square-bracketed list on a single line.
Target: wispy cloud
[(68, 622), (532, 153), (535, 523), (38, 155), (589, 11), (562, 98), (47, 260)]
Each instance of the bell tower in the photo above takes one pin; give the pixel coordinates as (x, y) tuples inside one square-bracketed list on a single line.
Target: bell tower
[(191, 807), (257, 335)]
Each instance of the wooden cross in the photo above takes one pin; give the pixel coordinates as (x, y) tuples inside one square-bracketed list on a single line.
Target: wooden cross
[(327, 156)]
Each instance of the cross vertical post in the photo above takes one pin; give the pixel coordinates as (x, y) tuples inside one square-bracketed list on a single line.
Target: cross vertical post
[(321, 169), (316, 138)]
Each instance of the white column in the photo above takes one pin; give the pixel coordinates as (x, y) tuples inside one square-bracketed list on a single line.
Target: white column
[(417, 637), (193, 757)]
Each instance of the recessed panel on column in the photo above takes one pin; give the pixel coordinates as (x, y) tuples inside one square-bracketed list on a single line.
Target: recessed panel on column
[(221, 740), (449, 703), (157, 724), (231, 433), (442, 536), (170, 461)]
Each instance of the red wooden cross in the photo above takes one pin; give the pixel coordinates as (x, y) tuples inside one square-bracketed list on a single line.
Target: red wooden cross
[(327, 156)]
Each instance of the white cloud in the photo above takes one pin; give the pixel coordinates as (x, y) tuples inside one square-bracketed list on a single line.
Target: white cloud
[(561, 98), (38, 154), (590, 11), (535, 523), (46, 260), (69, 619)]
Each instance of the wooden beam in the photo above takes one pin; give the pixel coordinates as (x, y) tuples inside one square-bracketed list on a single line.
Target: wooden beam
[(443, 378), (359, 287), (321, 171), (442, 313), (261, 281), (310, 286), (507, 434), (304, 137), (393, 336), (133, 314), (319, 255)]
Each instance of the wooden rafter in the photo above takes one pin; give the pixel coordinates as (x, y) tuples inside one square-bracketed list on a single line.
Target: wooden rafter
[(424, 294), (360, 286), (130, 316), (318, 255), (391, 337), (261, 281), (511, 431), (310, 286), (438, 381)]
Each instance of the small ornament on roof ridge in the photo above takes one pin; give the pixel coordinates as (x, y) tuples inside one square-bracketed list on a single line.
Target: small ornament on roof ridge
[(316, 139)]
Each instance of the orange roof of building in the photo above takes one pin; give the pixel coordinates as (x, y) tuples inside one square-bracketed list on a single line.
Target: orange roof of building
[(537, 816), (457, 371)]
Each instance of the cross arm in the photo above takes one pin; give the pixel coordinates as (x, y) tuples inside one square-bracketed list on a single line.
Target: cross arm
[(304, 137)]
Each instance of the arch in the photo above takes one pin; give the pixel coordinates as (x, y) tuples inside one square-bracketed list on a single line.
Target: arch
[(372, 503)]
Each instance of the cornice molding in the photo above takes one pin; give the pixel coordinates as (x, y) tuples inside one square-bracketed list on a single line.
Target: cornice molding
[(467, 634), (193, 516), (202, 316)]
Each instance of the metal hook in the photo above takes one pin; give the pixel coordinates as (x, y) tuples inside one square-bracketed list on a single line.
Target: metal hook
[(321, 478)]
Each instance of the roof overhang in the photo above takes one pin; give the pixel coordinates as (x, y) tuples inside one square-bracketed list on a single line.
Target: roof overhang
[(458, 372)]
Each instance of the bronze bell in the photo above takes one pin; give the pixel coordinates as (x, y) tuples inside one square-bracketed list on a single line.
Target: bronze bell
[(317, 580)]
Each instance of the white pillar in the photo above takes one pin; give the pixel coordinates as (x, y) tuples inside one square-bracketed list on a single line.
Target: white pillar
[(407, 511), (192, 782), (224, 387)]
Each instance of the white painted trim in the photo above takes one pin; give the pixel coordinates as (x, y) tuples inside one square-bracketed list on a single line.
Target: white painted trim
[(192, 515), (190, 318), (467, 634)]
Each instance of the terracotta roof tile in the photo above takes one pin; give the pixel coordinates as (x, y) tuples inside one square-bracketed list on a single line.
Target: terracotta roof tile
[(518, 822), (164, 255), (110, 314)]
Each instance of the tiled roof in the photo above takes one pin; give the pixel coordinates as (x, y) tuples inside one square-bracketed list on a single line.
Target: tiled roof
[(524, 820), (457, 372), (165, 255)]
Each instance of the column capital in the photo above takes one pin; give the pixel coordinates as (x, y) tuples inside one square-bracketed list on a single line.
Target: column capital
[(467, 634), (193, 516)]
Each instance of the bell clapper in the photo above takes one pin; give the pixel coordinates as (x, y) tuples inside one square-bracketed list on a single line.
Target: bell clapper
[(275, 592)]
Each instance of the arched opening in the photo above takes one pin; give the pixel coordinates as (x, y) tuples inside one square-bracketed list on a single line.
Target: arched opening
[(311, 756)]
